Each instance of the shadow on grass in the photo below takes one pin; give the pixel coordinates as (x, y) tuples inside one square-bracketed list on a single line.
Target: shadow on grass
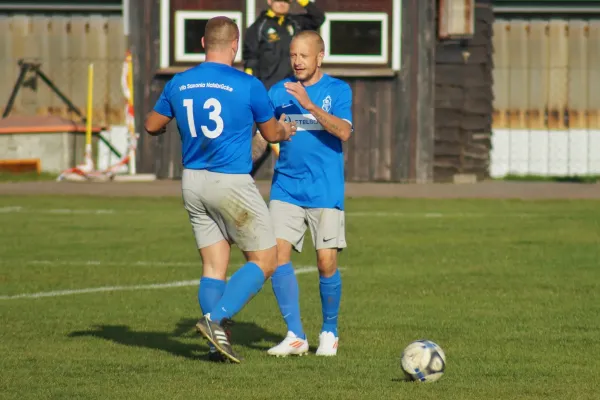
[(246, 334)]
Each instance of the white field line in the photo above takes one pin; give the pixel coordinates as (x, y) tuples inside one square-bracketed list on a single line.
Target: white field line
[(382, 214), (19, 209), (63, 263), (56, 293), (10, 209), (393, 214)]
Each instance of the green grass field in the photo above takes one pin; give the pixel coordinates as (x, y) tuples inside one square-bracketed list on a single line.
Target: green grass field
[(509, 289), (26, 177)]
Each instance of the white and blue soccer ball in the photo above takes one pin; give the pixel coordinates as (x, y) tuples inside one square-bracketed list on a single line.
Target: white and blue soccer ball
[(423, 361)]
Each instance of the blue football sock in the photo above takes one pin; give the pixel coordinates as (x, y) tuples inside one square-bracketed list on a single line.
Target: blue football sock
[(285, 287), (243, 285), (331, 293), (209, 293)]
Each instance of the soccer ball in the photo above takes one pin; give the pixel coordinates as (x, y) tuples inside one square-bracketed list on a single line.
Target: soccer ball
[(423, 361)]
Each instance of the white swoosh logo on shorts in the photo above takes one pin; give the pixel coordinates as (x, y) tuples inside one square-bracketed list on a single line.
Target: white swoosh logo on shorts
[(287, 105)]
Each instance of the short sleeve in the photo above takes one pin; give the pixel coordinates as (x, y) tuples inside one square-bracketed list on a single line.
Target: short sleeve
[(163, 104), (262, 108), (342, 104)]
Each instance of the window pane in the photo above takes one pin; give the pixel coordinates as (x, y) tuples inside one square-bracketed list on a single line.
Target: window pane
[(355, 38), (194, 30)]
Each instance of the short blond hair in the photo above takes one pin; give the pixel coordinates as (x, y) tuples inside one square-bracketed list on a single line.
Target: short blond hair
[(219, 33), (311, 35)]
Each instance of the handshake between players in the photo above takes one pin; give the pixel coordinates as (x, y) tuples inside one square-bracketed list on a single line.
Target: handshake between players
[(215, 107)]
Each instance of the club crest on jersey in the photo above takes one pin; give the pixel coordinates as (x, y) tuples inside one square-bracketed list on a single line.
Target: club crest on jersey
[(326, 103), (272, 35), (290, 29)]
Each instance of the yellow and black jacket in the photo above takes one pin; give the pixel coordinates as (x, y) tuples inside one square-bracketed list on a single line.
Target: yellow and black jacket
[(267, 42)]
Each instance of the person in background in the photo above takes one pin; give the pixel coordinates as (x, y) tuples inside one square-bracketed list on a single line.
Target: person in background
[(266, 52)]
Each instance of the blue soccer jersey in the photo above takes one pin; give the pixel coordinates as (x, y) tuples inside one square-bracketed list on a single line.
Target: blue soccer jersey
[(215, 106), (310, 169)]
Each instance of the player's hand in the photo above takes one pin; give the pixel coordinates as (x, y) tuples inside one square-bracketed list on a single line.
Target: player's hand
[(297, 90), (288, 127)]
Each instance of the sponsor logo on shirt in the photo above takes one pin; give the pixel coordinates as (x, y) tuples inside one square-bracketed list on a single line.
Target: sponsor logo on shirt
[(305, 122)]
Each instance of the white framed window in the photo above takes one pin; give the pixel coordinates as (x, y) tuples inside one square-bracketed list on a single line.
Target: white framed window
[(189, 29), (356, 37)]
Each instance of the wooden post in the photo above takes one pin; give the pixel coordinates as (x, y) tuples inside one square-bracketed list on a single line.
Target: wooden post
[(402, 122), (144, 28), (415, 120), (424, 154)]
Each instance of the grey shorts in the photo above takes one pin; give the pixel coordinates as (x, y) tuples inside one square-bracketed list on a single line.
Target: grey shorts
[(226, 206), (326, 225)]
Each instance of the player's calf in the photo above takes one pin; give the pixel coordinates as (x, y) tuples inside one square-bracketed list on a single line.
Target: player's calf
[(330, 289)]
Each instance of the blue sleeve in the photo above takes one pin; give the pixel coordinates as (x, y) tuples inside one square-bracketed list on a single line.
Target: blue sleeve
[(342, 105), (262, 108), (163, 104)]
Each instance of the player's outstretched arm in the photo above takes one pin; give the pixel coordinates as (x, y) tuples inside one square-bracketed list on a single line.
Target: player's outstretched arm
[(332, 124), (156, 124), (337, 126), (277, 131)]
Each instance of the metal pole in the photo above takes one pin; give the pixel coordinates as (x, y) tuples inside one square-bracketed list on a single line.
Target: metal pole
[(13, 95)]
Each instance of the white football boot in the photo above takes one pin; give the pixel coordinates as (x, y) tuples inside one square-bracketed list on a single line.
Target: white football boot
[(292, 345), (328, 344)]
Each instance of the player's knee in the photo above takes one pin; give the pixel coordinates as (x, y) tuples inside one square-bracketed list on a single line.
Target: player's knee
[(215, 259), (327, 262), (214, 271), (265, 259), (270, 261), (284, 252)]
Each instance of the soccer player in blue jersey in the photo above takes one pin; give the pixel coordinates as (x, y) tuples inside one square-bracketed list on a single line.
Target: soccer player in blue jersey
[(308, 188), (215, 106)]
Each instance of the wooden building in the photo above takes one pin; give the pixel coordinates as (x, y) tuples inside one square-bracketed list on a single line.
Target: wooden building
[(546, 119), (420, 71), (389, 59), (463, 101)]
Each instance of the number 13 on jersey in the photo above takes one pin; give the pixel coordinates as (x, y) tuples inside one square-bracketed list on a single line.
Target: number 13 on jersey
[(214, 115)]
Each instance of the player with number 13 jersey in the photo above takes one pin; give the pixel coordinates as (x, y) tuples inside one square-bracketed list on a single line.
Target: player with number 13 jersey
[(201, 93), (215, 106)]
